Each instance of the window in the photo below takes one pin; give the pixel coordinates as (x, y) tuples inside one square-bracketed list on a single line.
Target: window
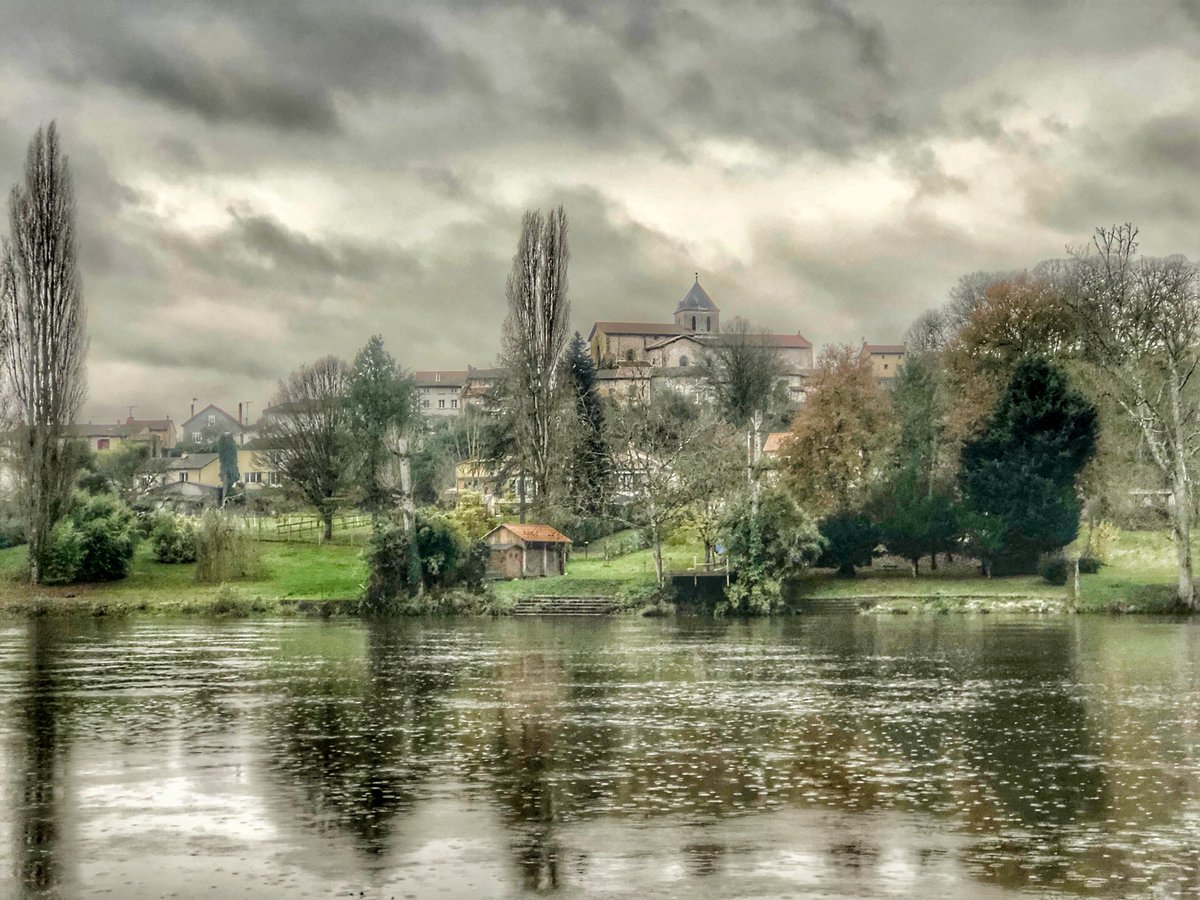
[(708, 323), (885, 367), (101, 443), (437, 376), (683, 360), (252, 477), (693, 323), (424, 404), (183, 476), (441, 404), (197, 437), (212, 420), (629, 355), (273, 477), (454, 404)]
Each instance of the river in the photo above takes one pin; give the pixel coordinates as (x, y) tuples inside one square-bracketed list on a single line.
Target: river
[(830, 755)]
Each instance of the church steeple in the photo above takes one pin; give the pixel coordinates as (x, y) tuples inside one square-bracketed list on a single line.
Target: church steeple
[(697, 312)]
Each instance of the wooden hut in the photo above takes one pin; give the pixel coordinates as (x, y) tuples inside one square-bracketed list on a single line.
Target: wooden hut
[(526, 551)]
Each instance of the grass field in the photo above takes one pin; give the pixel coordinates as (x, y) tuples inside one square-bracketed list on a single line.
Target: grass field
[(1139, 578), (293, 571)]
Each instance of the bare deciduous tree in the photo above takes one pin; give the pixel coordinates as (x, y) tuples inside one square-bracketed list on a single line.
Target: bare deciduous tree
[(1140, 329), (534, 338), (43, 325), (308, 435), (661, 464)]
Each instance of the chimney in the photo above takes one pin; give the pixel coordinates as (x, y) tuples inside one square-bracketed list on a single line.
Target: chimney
[(239, 412)]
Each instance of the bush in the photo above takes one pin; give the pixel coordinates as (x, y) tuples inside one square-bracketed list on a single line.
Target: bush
[(65, 554), (850, 540), (173, 538), (1102, 537), (224, 552), (94, 543), (1054, 568), (12, 531), (446, 559), (1089, 565)]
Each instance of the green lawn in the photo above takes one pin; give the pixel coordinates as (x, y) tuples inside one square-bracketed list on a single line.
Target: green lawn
[(293, 571), (1140, 577)]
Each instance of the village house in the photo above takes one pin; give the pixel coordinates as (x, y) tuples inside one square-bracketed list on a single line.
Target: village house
[(98, 437), (496, 487), (440, 393), (526, 551), (204, 428), (158, 435), (885, 359)]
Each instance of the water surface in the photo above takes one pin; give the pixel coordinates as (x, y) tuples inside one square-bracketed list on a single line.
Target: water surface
[(823, 755)]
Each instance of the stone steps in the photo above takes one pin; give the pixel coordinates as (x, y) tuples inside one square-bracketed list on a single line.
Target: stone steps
[(565, 606)]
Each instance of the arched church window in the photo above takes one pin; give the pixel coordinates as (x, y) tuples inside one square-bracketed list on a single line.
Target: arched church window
[(708, 323), (683, 361), (693, 323)]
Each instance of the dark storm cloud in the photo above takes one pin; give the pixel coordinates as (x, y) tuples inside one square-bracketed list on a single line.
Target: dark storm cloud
[(221, 94), (262, 183)]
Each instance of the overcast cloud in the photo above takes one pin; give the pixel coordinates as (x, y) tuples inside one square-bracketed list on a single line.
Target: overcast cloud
[(260, 184)]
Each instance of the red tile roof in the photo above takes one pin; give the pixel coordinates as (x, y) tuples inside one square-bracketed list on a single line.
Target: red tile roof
[(786, 340), (543, 533), (774, 442), (636, 328)]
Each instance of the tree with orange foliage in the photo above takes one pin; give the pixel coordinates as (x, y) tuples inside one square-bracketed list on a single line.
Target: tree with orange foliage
[(1020, 316), (835, 451)]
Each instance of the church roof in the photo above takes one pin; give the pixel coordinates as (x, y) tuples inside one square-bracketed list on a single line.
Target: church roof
[(697, 299)]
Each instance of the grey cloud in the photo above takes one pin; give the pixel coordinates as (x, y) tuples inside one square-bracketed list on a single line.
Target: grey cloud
[(443, 121), (222, 94), (1170, 141)]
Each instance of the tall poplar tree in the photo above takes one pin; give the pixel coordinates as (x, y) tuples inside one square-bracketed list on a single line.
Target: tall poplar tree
[(43, 339), (534, 337)]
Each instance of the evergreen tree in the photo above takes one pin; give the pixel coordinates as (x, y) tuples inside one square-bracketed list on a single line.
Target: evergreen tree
[(1018, 476), (380, 398), (588, 469), (227, 455)]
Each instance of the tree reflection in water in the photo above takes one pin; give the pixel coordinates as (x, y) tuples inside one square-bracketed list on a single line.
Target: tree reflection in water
[(356, 730), (40, 712)]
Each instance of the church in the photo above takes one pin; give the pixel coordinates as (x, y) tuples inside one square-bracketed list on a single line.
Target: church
[(630, 353)]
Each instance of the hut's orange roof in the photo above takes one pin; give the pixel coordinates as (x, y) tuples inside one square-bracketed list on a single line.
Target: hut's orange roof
[(543, 533)]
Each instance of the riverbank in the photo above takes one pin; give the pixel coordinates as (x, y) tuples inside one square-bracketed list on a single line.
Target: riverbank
[(326, 579)]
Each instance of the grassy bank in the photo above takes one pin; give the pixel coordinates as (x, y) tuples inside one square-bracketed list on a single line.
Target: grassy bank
[(292, 571), (309, 576)]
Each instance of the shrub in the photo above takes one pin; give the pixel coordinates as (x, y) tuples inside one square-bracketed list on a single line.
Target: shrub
[(446, 559), (173, 538), (850, 540), (1054, 568), (1089, 565), (12, 529), (1102, 537), (95, 543), (65, 555), (228, 602), (224, 552)]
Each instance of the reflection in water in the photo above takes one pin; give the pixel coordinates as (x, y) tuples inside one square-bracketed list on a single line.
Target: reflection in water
[(850, 756), (37, 713)]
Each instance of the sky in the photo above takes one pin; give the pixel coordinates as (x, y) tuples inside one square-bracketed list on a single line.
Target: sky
[(261, 184)]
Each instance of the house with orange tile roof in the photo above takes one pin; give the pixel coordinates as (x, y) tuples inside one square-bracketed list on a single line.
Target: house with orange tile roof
[(526, 551)]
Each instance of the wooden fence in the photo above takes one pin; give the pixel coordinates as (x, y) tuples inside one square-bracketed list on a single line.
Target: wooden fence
[(304, 527)]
